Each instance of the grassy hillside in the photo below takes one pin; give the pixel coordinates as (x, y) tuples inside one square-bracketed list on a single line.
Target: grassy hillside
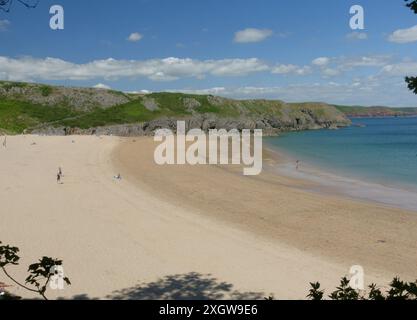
[(16, 116), (26, 107), (357, 111)]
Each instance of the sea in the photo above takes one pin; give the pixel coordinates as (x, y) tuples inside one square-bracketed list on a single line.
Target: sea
[(374, 159)]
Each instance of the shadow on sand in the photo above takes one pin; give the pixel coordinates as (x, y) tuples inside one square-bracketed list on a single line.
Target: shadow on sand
[(190, 286)]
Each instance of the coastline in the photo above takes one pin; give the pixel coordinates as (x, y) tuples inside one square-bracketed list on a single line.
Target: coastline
[(326, 181), (275, 208), (163, 230)]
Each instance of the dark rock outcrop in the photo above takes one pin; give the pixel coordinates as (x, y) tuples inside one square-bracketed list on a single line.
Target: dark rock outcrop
[(270, 126)]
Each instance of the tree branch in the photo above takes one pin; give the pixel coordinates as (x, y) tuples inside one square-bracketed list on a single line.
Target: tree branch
[(18, 283), (5, 5)]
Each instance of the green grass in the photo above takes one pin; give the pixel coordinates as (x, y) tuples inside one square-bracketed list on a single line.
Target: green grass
[(119, 93), (131, 112), (225, 110), (16, 116), (172, 104), (46, 90), (9, 85)]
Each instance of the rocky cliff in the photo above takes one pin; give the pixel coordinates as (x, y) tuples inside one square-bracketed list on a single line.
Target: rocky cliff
[(41, 109)]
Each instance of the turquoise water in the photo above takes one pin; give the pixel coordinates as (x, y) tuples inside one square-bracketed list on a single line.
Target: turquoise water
[(383, 151)]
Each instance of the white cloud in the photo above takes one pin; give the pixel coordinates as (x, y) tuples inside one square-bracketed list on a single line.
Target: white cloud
[(322, 61), (366, 91), (335, 66), (284, 69), (143, 91), (102, 86), (365, 61), (303, 71), (27, 68), (291, 69), (4, 25), (377, 88), (357, 36), (213, 91), (347, 63), (400, 69), (135, 37), (252, 35), (329, 72), (235, 67), (404, 35)]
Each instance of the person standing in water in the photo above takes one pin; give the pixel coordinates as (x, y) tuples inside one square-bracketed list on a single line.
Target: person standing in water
[(297, 165)]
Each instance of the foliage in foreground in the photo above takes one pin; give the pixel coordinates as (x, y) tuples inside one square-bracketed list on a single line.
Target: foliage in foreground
[(40, 273), (398, 290), (412, 4), (412, 81)]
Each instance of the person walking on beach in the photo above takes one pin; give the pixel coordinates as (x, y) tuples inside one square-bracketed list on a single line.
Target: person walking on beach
[(297, 165), (5, 142), (58, 178)]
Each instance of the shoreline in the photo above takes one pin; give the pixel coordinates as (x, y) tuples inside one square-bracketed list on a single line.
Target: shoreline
[(186, 226), (275, 208), (327, 182)]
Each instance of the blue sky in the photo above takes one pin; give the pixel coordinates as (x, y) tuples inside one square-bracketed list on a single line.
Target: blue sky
[(290, 50)]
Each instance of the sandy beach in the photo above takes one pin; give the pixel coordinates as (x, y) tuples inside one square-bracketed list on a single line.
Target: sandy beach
[(204, 232)]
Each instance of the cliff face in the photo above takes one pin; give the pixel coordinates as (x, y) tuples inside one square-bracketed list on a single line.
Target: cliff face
[(50, 110), (270, 125)]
